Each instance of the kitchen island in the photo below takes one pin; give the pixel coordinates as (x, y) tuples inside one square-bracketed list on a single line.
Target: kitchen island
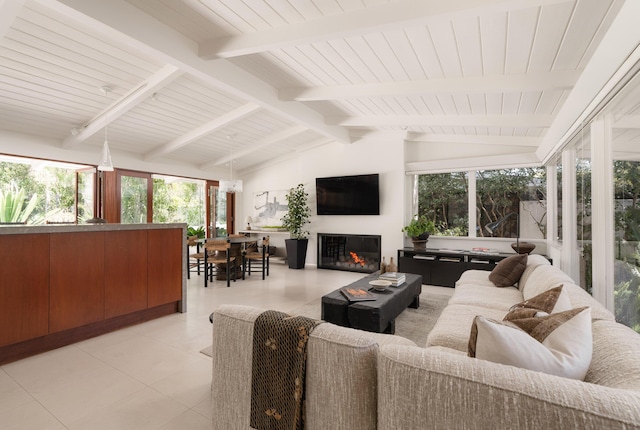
[(66, 283)]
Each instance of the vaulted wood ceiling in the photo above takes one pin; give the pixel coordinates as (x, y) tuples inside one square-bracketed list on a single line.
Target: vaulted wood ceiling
[(200, 82)]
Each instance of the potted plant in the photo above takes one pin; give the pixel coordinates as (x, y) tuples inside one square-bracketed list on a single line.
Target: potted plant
[(419, 230), (294, 220)]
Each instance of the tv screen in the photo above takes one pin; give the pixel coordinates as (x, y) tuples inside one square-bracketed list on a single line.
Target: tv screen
[(348, 195)]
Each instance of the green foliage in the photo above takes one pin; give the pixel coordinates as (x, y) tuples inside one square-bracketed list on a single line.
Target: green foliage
[(443, 198), (499, 192), (419, 227), (299, 212), (196, 231), (14, 206)]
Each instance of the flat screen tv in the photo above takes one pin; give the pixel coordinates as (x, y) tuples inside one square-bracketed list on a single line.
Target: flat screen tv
[(348, 195)]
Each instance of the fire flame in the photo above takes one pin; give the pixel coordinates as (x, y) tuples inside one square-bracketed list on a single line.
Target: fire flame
[(357, 259)]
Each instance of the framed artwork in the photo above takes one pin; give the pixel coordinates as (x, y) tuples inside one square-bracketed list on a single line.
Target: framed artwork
[(269, 207)]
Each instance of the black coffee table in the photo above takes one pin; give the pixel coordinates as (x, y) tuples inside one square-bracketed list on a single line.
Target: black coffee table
[(377, 315)]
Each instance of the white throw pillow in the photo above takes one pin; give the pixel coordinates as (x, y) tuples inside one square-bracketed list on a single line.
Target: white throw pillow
[(564, 348)]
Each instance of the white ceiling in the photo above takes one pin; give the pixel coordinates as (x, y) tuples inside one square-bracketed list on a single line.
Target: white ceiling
[(202, 81)]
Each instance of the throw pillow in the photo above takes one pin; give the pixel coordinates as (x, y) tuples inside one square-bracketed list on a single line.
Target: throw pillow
[(551, 301), (508, 271), (559, 344)]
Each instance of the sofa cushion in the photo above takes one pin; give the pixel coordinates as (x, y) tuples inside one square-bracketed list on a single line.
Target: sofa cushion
[(543, 278), (533, 262), (559, 344), (615, 363), (488, 296), (579, 298), (551, 301), (454, 325), (508, 271), (475, 277)]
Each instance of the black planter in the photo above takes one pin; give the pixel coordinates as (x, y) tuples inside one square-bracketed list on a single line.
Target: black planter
[(296, 252)]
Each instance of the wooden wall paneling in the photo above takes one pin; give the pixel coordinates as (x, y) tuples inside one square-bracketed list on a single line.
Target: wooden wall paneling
[(76, 279), (24, 287), (125, 272), (165, 266)]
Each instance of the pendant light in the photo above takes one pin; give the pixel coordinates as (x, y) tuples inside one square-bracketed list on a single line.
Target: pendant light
[(105, 164), (230, 185)]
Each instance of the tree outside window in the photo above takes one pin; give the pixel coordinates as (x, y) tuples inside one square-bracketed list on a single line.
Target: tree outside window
[(443, 199)]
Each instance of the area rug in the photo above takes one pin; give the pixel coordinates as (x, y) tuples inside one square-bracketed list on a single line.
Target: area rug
[(413, 324)]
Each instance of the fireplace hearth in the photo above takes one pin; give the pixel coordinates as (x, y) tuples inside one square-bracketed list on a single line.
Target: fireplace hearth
[(349, 252)]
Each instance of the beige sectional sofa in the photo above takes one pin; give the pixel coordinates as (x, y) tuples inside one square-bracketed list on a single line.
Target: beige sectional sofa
[(361, 380)]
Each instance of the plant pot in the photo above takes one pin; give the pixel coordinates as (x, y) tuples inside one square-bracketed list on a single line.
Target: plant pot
[(419, 245), (296, 252)]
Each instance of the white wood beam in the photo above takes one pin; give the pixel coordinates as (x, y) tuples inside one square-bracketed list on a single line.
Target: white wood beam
[(121, 21), (203, 130), (8, 12), (380, 17), (444, 120), (460, 164), (267, 141), (556, 80), (121, 106), (475, 139)]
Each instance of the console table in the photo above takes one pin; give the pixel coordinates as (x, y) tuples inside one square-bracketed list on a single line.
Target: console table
[(444, 267)]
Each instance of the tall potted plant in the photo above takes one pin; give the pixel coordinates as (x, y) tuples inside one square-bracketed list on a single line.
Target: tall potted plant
[(294, 221)]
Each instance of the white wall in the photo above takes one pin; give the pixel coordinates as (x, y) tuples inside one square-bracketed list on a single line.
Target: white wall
[(384, 157)]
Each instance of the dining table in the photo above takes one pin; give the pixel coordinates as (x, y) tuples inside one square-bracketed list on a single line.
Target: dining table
[(240, 241)]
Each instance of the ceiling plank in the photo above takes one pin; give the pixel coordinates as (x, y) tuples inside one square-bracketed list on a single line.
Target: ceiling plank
[(8, 11), (125, 23), (381, 17), (134, 97), (203, 130), (267, 141), (543, 81), (528, 121), (473, 138), (627, 121)]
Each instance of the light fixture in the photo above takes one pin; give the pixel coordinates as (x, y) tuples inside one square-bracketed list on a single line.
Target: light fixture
[(230, 185), (105, 164)]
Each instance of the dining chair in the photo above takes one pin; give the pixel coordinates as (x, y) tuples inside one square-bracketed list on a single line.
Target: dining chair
[(194, 260), (259, 258), (217, 252)]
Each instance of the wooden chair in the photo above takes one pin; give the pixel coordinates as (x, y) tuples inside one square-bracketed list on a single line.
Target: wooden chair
[(218, 252), (259, 257), (194, 260)]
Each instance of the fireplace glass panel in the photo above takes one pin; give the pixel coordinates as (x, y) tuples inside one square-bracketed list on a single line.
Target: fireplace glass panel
[(349, 252)]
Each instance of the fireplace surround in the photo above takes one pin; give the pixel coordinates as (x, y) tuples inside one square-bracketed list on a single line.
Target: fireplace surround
[(349, 252)]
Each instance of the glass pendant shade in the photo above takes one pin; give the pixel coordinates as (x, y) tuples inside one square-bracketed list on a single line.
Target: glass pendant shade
[(230, 185), (105, 164)]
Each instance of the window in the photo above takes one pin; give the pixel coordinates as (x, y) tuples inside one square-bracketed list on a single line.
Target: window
[(511, 198), (178, 200), (443, 198)]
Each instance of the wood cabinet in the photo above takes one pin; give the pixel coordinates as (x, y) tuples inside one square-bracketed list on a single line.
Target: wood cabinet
[(77, 279), (59, 285), (126, 282), (24, 287), (165, 262)]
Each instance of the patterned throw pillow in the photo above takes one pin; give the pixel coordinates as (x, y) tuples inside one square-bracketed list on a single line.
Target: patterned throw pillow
[(551, 301), (558, 344), (508, 271)]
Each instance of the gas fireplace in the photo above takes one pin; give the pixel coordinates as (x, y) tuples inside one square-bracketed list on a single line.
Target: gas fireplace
[(349, 252)]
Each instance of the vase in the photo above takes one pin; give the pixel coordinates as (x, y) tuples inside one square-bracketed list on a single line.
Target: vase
[(383, 266), (391, 267)]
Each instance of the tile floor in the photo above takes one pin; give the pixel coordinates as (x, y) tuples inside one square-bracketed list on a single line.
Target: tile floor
[(149, 376)]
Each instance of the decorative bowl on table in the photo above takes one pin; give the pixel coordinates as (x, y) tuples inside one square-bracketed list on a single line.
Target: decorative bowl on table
[(379, 284)]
